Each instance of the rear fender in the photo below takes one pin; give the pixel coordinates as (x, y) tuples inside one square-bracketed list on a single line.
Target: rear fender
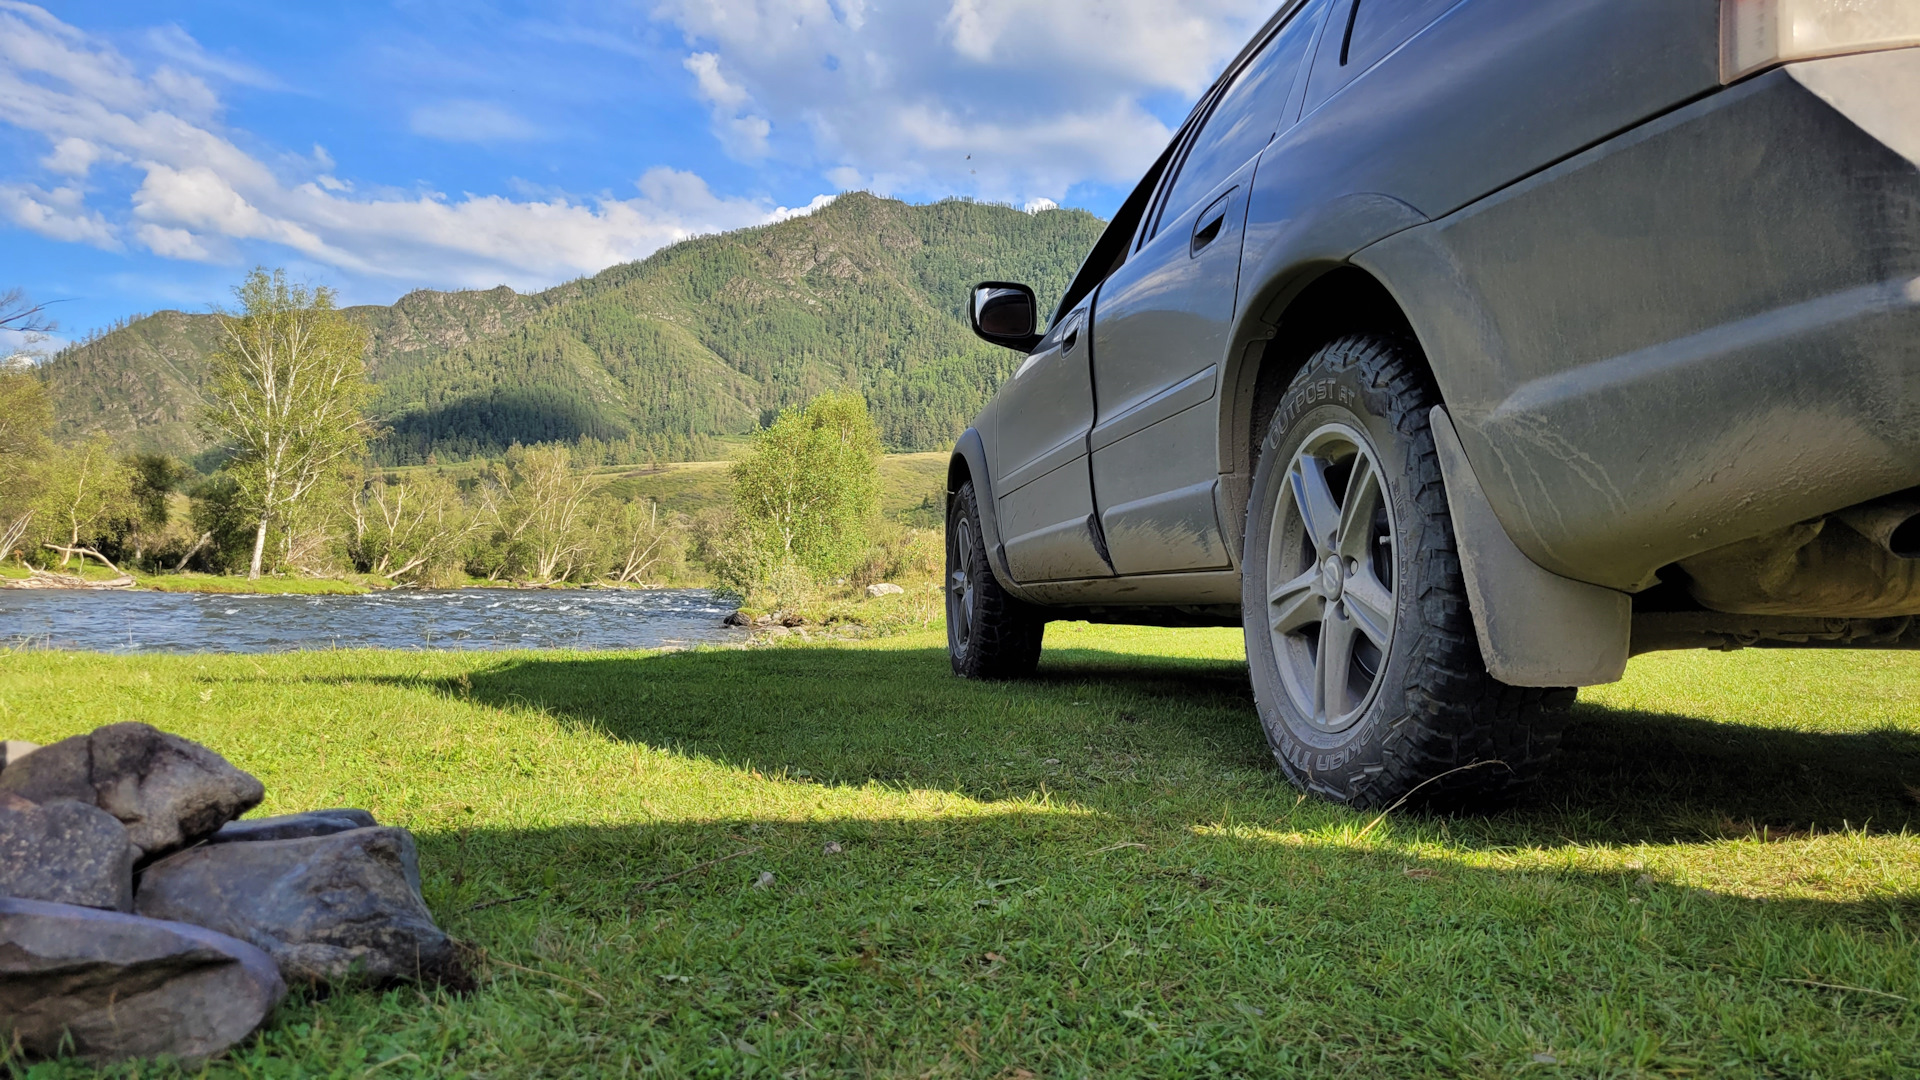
[(1284, 255)]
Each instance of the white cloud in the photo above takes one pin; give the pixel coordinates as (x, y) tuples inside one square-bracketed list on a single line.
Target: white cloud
[(59, 214), (188, 93), (191, 193), (471, 121), (172, 243), (71, 157), (179, 46), (820, 202), (715, 89), (1139, 44), (18, 347), (1005, 99), (1040, 206), (744, 135)]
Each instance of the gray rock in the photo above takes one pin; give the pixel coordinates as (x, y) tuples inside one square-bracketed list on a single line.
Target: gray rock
[(884, 589), (340, 908), (293, 826), (12, 750), (168, 791), (124, 987), (65, 852)]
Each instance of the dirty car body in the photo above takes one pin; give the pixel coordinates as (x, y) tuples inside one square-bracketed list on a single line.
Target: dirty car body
[(1641, 279)]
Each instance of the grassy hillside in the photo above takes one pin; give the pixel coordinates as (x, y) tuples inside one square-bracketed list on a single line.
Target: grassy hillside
[(141, 383), (706, 339)]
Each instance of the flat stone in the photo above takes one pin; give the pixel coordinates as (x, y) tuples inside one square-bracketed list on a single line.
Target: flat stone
[(168, 791), (64, 852), (12, 750), (123, 987), (293, 826), (884, 589), (340, 908)]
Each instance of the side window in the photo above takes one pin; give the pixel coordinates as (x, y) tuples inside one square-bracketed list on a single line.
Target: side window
[(1380, 26), (1110, 251), (1371, 30), (1245, 116)]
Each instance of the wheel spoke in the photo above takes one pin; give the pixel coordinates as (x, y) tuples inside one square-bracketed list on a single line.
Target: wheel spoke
[(1296, 603), (1356, 512), (960, 583), (1328, 588), (1334, 665), (1370, 604), (1314, 498)]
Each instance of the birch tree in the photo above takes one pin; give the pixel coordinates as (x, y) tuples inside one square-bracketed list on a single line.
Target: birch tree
[(810, 489), (551, 500), (637, 541), (539, 510), (410, 529), (25, 415), (85, 494), (288, 381)]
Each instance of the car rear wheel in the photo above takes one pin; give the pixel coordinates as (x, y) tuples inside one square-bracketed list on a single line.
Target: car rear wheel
[(991, 634), (1361, 647)]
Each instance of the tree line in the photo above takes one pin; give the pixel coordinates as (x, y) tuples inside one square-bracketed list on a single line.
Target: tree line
[(299, 492)]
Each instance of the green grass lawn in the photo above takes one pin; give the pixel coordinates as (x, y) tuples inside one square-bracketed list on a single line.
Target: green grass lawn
[(1094, 873)]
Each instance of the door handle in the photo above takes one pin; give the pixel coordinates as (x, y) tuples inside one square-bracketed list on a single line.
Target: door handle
[(1211, 223)]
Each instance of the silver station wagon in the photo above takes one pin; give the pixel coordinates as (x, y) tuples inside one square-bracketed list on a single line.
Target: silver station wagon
[(1460, 350)]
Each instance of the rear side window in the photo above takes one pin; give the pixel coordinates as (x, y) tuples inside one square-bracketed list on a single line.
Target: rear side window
[(1380, 26), (1245, 116)]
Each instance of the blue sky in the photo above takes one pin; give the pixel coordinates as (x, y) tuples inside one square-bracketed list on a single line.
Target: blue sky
[(150, 153)]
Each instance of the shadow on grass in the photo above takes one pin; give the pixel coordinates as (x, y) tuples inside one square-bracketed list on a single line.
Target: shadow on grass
[(1131, 948), (1110, 729)]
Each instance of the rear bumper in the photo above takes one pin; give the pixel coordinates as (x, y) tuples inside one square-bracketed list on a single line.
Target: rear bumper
[(1705, 329)]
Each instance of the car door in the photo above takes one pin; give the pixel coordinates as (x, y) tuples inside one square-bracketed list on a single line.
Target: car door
[(1043, 490), (1162, 320)]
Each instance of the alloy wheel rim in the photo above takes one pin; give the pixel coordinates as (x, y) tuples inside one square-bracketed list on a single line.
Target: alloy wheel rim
[(1330, 569), (960, 583)]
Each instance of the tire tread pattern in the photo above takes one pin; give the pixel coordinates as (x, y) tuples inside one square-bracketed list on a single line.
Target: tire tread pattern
[(1457, 714), (1007, 631)]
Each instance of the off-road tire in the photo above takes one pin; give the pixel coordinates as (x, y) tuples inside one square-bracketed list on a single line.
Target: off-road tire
[(990, 633), (1437, 725)]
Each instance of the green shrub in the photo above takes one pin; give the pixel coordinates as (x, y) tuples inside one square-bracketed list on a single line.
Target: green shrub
[(805, 497)]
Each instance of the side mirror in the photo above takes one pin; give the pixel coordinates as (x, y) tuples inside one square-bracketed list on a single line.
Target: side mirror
[(1005, 314)]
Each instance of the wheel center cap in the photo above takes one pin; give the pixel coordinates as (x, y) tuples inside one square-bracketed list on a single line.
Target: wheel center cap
[(1333, 577)]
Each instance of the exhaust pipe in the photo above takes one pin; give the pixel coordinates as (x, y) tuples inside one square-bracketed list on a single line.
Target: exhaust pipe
[(1894, 524)]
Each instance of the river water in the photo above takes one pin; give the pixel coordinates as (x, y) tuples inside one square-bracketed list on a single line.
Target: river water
[(123, 622)]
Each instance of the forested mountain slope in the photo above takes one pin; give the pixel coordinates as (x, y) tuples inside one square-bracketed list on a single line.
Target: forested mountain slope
[(709, 337)]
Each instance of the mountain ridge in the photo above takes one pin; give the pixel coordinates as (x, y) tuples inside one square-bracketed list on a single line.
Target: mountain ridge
[(710, 336)]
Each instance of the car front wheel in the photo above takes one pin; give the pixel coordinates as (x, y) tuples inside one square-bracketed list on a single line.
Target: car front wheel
[(1361, 647), (991, 634)]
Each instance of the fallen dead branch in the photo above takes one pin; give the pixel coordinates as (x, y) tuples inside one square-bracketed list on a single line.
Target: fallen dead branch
[(657, 882), (205, 539), (85, 553), (47, 579), (1844, 989)]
